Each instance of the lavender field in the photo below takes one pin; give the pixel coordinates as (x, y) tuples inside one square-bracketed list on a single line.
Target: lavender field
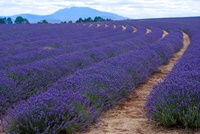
[(59, 78)]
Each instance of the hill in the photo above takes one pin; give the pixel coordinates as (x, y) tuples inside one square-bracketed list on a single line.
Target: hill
[(70, 14)]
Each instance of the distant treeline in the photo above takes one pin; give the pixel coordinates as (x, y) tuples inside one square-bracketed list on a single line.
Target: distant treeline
[(21, 20), (18, 20), (89, 19)]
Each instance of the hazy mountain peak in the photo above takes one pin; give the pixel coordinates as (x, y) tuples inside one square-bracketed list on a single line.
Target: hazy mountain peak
[(73, 14)]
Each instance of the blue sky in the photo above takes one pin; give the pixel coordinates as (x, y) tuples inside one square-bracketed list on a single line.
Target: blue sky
[(128, 8)]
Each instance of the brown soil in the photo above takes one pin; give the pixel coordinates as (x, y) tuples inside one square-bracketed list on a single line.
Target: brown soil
[(128, 117), (90, 25), (123, 27), (134, 29), (164, 33), (114, 26), (148, 31)]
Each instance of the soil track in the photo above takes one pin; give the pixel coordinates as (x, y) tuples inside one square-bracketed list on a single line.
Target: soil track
[(128, 117), (134, 29), (123, 27), (148, 31)]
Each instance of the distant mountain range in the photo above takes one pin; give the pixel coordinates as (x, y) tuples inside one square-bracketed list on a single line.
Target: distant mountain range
[(69, 14)]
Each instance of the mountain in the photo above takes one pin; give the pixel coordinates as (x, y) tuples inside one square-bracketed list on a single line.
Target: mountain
[(70, 14)]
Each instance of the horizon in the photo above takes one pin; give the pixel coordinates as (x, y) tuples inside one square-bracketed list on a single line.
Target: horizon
[(131, 9)]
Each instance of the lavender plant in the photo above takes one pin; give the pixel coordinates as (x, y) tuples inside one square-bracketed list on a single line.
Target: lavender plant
[(38, 76), (175, 100), (103, 85)]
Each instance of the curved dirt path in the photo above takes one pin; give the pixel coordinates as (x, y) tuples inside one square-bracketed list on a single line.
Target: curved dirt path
[(128, 117), (123, 27), (164, 33), (134, 29), (106, 25), (148, 31), (90, 25)]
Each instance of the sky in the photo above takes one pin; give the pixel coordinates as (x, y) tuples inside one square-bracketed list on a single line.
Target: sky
[(135, 9)]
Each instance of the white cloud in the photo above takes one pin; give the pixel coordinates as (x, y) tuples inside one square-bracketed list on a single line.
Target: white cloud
[(129, 8)]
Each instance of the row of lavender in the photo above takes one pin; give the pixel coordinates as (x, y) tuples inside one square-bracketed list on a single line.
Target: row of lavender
[(33, 37), (75, 101), (176, 100), (48, 52), (23, 81)]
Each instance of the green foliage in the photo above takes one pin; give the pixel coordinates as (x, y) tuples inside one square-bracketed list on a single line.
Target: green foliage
[(21, 20), (89, 19), (79, 20), (6, 20), (9, 20), (170, 115), (2, 21), (43, 22), (63, 22)]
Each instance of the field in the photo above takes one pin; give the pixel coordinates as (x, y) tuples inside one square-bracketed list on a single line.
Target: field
[(61, 78)]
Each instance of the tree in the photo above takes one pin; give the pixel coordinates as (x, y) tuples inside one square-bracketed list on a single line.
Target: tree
[(21, 20), (2, 21), (43, 22), (63, 22), (9, 21), (70, 21), (89, 19), (108, 20), (26, 21), (6, 20), (98, 18), (79, 20)]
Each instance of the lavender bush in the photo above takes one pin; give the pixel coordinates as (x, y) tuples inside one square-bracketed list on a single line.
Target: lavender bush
[(51, 51), (102, 84), (35, 77), (176, 100)]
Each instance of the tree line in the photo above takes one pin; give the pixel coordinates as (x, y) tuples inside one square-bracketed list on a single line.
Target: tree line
[(18, 20), (89, 19), (21, 20)]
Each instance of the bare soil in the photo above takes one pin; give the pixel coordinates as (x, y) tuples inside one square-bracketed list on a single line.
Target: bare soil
[(128, 117), (90, 25), (164, 33), (134, 29), (106, 25), (148, 31), (123, 27)]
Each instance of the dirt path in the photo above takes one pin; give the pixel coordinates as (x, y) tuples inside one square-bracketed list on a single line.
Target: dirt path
[(134, 29), (90, 25), (106, 25), (123, 27), (128, 117), (148, 31), (164, 33)]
